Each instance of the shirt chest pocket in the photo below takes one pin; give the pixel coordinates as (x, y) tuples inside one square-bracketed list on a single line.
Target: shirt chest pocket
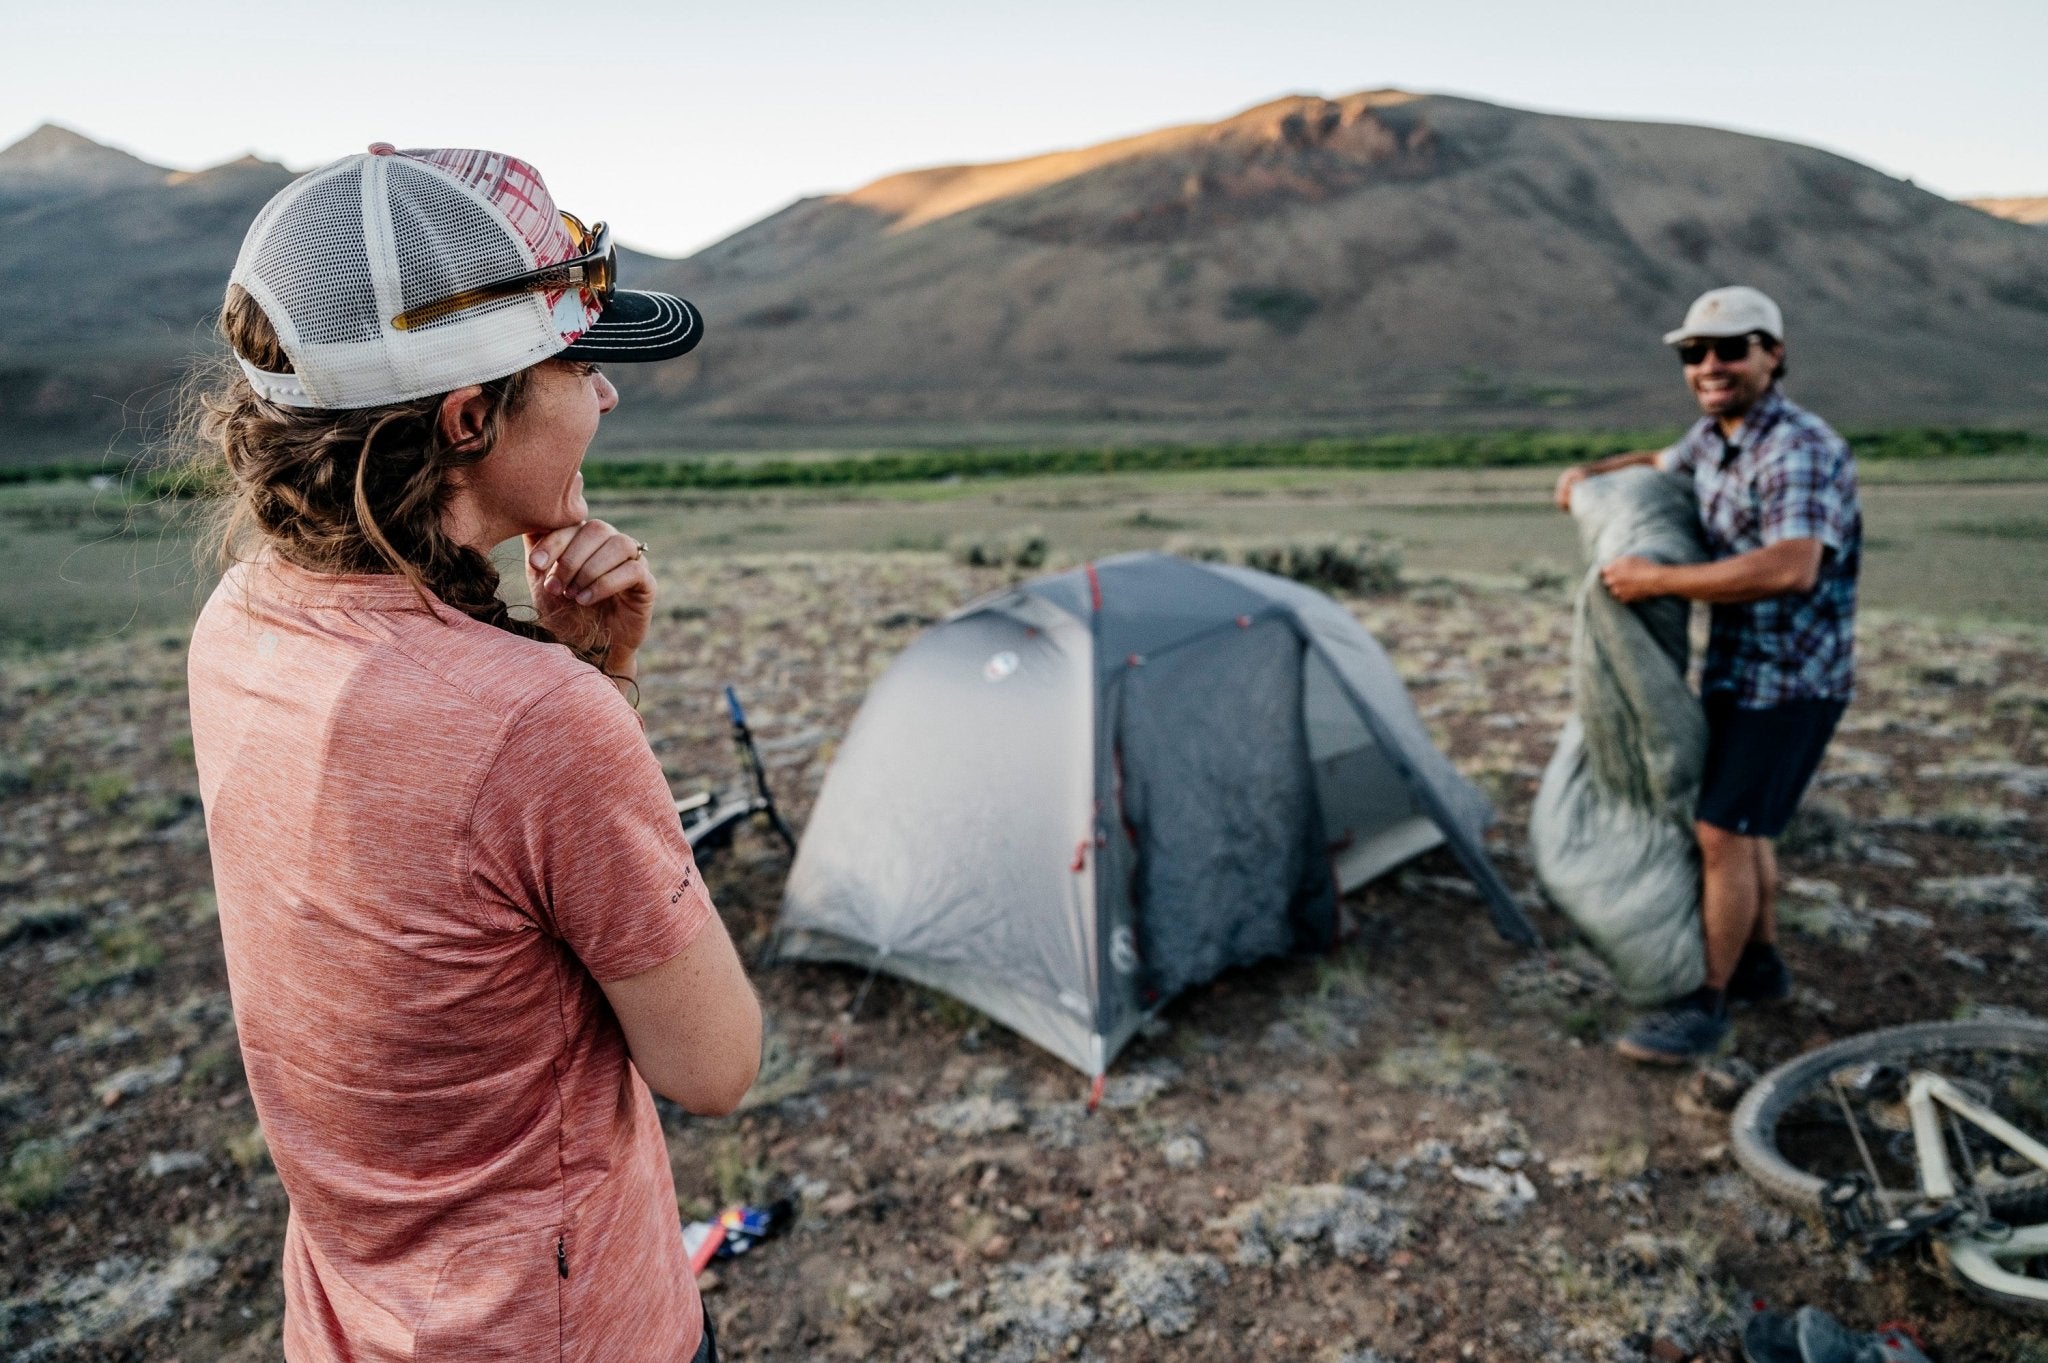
[(1732, 512)]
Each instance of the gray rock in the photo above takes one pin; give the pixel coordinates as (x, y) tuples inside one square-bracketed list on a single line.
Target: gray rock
[(1503, 1195), (2029, 783), (1559, 984), (2010, 893), (1030, 1312), (1156, 1290), (1284, 1038), (978, 1115), (163, 1163), (1295, 1224), (1046, 1310), (1184, 1152), (1063, 1126), (112, 1298), (1140, 1086), (140, 1079), (1445, 1065)]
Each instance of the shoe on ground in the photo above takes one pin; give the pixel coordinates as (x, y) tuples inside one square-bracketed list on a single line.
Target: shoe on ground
[(1823, 1339), (1679, 1033), (1771, 1337), (1760, 976)]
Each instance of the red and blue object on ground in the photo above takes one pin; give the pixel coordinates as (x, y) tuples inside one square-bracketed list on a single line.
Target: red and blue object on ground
[(737, 1230)]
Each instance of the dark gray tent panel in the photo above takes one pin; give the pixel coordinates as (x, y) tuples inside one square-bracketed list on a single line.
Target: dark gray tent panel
[(1228, 836), (1074, 799)]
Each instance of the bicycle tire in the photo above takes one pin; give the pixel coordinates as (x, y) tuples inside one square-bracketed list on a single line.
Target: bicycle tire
[(1753, 1139)]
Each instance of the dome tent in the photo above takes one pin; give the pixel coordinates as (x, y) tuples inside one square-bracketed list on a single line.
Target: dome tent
[(1073, 799)]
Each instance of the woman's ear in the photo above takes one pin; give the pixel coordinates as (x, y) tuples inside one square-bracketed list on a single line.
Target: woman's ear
[(462, 417)]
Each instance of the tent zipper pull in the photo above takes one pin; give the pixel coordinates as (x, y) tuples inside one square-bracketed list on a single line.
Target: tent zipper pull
[(561, 1256)]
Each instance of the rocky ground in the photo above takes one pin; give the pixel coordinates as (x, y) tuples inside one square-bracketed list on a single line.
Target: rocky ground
[(1417, 1148)]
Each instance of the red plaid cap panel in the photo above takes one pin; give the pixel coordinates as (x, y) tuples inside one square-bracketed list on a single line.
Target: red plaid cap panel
[(518, 191), (522, 196)]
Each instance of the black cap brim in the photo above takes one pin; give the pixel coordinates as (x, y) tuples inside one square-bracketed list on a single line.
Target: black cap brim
[(639, 327)]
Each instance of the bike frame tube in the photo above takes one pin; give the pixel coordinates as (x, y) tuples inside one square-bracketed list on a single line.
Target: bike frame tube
[(1930, 1147), (1937, 1180), (1975, 1257)]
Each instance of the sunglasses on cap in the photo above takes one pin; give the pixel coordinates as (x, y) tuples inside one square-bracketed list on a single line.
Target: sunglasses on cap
[(595, 271), (1727, 349)]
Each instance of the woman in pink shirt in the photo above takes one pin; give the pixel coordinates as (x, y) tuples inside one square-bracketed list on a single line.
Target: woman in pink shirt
[(464, 933)]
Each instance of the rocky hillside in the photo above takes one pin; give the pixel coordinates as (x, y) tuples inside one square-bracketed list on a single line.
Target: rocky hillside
[(1384, 260), (111, 269)]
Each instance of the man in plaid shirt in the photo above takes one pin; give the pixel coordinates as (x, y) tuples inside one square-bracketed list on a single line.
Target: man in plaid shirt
[(1777, 499)]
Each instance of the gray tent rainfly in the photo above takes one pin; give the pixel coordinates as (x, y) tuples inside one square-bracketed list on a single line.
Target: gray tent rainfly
[(1072, 800)]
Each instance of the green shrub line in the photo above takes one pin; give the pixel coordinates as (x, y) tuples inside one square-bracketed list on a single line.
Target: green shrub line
[(918, 466), (71, 471), (1508, 449), (1503, 449)]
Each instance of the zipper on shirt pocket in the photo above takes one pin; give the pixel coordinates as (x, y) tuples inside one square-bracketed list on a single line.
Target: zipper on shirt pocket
[(562, 1256)]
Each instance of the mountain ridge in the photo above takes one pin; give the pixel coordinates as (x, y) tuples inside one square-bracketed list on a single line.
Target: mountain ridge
[(1381, 260), (2031, 209), (52, 154)]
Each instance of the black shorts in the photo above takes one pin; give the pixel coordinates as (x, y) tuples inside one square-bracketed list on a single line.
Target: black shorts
[(1759, 761)]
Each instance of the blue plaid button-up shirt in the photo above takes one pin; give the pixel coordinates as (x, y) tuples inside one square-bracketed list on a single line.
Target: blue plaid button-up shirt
[(1785, 476)]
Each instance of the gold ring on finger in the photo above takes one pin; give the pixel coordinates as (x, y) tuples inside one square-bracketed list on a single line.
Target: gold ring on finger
[(639, 548)]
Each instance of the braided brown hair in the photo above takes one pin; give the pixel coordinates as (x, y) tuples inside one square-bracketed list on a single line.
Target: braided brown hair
[(354, 491)]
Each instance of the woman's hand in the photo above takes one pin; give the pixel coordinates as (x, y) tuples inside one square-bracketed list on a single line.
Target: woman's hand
[(588, 573)]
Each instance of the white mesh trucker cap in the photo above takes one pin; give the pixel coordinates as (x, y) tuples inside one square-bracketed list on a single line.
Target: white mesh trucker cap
[(1735, 310), (343, 250)]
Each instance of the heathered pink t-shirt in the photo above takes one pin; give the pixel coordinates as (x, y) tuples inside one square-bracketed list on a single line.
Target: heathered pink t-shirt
[(431, 840)]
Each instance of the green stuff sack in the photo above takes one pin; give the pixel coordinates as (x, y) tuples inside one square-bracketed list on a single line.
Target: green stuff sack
[(1612, 825)]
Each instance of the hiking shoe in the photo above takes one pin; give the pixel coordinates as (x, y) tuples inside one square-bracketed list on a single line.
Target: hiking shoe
[(1823, 1339), (1771, 1337), (1760, 976), (1680, 1032)]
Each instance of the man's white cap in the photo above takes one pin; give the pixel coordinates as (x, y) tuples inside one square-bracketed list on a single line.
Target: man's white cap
[(341, 252), (1734, 311)]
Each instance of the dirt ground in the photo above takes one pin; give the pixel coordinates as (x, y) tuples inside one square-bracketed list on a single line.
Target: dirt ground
[(1416, 1148)]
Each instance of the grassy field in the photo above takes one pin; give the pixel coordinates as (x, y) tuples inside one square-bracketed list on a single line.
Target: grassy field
[(958, 1199), (1292, 1163), (1952, 538)]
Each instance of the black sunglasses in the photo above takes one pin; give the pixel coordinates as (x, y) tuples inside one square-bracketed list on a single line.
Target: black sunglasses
[(1727, 349), (595, 271)]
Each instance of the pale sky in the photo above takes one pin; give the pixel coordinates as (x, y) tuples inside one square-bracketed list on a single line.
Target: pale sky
[(682, 122)]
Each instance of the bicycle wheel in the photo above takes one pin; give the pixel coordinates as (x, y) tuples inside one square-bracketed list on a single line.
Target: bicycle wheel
[(1791, 1135)]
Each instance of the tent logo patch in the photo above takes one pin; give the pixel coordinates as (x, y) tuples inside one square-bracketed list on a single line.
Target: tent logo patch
[(999, 667)]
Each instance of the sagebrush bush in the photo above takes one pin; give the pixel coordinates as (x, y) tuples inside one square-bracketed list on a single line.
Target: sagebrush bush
[(1363, 564), (35, 1174), (1022, 547)]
